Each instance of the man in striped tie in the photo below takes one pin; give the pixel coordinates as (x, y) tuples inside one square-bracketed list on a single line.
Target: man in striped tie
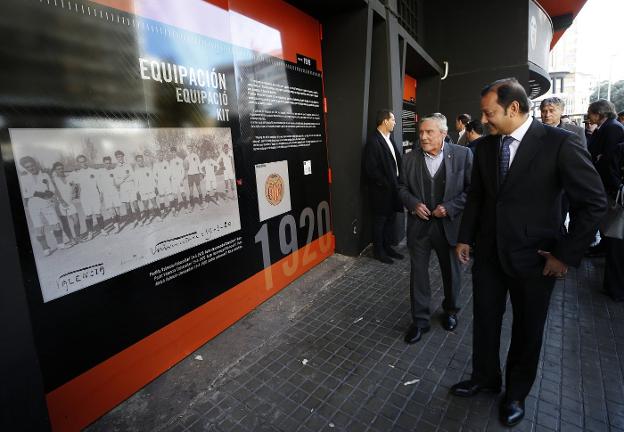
[(513, 217)]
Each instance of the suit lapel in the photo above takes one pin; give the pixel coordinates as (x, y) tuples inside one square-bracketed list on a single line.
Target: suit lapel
[(386, 150), (489, 153), (419, 166), (528, 149), (449, 156)]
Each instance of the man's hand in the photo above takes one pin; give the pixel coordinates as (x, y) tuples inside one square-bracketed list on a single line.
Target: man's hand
[(463, 252), (422, 211), (440, 211), (553, 266)]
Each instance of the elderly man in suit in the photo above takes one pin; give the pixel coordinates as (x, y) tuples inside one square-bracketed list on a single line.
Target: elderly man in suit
[(513, 217), (382, 163), (433, 187), (551, 110)]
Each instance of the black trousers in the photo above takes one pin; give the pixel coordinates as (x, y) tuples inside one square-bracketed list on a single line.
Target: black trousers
[(614, 268), (383, 233), (530, 298)]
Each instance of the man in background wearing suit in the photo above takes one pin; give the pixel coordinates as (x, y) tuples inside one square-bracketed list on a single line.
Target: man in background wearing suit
[(607, 145), (513, 216), (382, 162), (460, 127), (474, 132), (551, 110), (433, 187)]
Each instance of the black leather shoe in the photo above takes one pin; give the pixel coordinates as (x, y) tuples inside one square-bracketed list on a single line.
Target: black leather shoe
[(393, 254), (511, 412), (449, 322), (384, 259), (470, 388), (414, 333)]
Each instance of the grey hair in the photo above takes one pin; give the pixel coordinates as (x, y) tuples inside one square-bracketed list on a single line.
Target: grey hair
[(602, 107), (437, 117), (554, 100)]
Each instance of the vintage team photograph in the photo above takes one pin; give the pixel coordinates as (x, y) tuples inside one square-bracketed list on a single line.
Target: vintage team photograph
[(102, 202)]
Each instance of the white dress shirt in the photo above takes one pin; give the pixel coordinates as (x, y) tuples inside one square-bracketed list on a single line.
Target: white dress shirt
[(434, 162), (391, 147), (517, 135)]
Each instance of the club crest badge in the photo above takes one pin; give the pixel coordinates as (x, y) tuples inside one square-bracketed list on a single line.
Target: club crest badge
[(274, 189)]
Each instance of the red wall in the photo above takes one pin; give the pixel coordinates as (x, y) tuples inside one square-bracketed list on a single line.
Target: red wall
[(409, 87)]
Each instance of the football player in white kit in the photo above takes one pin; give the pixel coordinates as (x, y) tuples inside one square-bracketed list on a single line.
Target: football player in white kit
[(65, 194), (38, 193), (227, 159), (124, 180), (208, 167), (162, 173), (192, 164), (110, 192), (146, 186), (86, 178), (178, 180)]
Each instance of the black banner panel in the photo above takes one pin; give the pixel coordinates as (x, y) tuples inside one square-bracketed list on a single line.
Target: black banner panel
[(154, 162)]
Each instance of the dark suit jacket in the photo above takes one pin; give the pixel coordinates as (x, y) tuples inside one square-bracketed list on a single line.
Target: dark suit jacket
[(575, 130), (463, 140), (606, 146), (458, 166), (472, 145), (513, 221), (611, 131), (380, 170)]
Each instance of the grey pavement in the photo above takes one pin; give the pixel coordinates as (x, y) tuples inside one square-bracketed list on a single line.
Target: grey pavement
[(327, 354)]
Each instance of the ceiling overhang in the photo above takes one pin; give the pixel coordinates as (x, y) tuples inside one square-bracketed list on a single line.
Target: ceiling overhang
[(562, 13)]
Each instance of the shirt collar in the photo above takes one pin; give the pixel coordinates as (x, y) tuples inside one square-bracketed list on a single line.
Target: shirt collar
[(600, 125), (519, 133), (436, 156), (386, 136)]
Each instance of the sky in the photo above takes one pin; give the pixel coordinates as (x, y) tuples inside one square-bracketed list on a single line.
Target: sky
[(600, 29)]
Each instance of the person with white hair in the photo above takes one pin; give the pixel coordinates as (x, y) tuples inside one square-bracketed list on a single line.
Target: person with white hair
[(433, 187)]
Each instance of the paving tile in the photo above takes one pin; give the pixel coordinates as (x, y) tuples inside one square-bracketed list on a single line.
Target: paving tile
[(356, 370)]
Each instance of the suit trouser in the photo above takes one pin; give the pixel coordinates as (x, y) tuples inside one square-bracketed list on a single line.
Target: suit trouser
[(614, 267), (530, 298), (420, 288), (383, 233)]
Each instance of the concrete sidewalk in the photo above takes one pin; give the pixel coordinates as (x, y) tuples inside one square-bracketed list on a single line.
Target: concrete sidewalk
[(327, 354)]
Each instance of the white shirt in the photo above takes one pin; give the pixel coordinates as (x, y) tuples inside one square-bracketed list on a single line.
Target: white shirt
[(434, 162), (177, 169), (87, 178), (106, 181), (32, 183), (144, 178), (193, 164), (391, 147), (517, 135)]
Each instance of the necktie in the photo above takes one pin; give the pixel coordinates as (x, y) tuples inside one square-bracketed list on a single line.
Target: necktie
[(504, 157)]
